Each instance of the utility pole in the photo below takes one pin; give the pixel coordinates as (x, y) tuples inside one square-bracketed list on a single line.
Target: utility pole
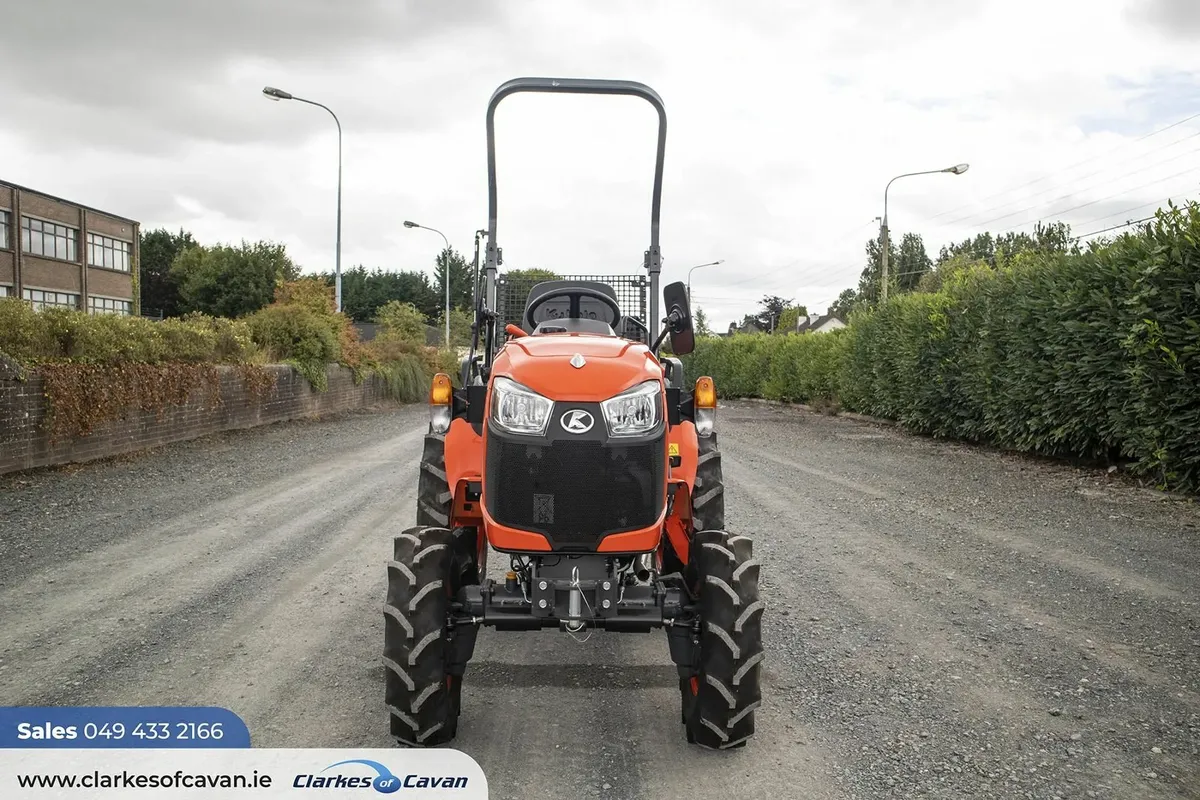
[(883, 256)]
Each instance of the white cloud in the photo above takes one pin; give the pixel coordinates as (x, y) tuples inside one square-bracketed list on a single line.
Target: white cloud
[(784, 126)]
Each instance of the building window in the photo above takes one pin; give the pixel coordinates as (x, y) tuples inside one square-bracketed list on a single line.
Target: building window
[(106, 305), (41, 299), (48, 239), (5, 291), (109, 253), (5, 225)]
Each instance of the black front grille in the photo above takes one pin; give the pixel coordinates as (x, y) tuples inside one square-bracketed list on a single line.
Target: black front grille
[(574, 491)]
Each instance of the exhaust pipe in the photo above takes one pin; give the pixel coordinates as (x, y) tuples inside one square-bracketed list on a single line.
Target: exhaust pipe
[(645, 565)]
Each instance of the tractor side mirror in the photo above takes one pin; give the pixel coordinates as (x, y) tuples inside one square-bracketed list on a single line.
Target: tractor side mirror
[(679, 318)]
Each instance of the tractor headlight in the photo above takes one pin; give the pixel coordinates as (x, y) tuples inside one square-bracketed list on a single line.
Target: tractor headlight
[(634, 412), (519, 409)]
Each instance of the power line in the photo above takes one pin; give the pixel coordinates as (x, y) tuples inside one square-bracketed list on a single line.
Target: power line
[(1157, 203), (1077, 191), (759, 276), (1117, 227), (1003, 192), (1111, 196)]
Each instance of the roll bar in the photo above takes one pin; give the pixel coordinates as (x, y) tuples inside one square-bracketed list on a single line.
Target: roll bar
[(653, 256)]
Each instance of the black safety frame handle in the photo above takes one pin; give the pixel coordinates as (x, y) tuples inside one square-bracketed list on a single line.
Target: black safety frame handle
[(578, 86)]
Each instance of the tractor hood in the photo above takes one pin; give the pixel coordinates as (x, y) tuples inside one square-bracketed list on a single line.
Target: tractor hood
[(543, 363)]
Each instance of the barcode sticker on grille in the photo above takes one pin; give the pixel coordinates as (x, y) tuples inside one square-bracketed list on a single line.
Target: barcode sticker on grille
[(543, 509)]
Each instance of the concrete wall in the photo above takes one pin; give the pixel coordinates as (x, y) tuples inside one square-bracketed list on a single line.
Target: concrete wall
[(25, 444)]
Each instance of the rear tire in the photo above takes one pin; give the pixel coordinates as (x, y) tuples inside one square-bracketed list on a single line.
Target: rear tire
[(422, 697), (720, 700)]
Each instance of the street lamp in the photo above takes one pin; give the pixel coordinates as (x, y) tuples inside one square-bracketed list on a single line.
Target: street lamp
[(271, 93), (698, 266), (957, 169), (445, 276)]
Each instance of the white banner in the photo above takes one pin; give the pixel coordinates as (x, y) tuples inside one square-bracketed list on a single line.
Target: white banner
[(80, 774)]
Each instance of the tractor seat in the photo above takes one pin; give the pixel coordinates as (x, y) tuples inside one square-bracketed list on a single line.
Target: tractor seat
[(568, 325)]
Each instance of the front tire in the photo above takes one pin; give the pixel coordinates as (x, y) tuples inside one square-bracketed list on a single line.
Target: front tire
[(707, 497), (720, 700), (422, 697), (708, 494)]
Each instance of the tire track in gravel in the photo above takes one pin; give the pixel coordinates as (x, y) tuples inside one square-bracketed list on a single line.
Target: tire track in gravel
[(178, 588), (1082, 563), (994, 555), (175, 549), (928, 628), (909, 618)]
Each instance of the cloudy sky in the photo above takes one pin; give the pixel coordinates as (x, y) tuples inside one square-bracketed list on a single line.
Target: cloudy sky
[(784, 125)]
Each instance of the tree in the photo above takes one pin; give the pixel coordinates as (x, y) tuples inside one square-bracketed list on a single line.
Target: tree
[(773, 306), (911, 263), (845, 303), (460, 327), (700, 323), (462, 287), (779, 313), (157, 250), (227, 281), (309, 292), (365, 292), (934, 281), (532, 275), (790, 318), (402, 322), (906, 265), (1054, 237)]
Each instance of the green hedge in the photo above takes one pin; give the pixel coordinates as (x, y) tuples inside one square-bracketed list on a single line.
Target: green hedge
[(289, 332), (58, 335), (1093, 354)]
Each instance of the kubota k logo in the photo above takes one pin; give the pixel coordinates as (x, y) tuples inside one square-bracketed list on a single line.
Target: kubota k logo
[(577, 421)]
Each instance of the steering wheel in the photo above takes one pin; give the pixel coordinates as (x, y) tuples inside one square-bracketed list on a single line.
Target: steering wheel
[(575, 293)]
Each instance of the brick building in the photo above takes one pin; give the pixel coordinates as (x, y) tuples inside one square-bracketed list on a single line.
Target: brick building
[(57, 253)]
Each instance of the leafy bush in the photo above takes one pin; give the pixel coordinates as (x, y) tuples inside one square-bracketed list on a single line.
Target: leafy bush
[(233, 341), (401, 321), (297, 336), (24, 335), (738, 363), (59, 334), (805, 368), (406, 379), (230, 281)]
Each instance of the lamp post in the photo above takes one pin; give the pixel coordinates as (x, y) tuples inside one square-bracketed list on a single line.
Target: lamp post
[(698, 266), (271, 93), (446, 275), (957, 169)]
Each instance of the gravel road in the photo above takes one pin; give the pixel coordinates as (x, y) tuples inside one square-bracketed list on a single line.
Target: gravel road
[(943, 621)]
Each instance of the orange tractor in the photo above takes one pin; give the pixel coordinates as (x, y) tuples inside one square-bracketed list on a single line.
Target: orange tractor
[(576, 450)]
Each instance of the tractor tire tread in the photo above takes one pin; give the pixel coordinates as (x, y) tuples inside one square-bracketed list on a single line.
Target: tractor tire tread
[(720, 714), (420, 696), (708, 497)]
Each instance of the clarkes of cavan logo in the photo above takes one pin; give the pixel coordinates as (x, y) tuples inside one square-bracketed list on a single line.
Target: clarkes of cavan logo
[(577, 421), (383, 782)]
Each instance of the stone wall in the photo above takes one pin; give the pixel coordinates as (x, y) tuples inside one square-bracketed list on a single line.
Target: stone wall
[(24, 442)]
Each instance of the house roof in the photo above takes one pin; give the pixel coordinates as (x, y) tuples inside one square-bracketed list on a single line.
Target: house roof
[(814, 321)]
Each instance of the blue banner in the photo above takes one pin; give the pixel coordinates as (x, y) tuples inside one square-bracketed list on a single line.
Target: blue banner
[(148, 727)]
